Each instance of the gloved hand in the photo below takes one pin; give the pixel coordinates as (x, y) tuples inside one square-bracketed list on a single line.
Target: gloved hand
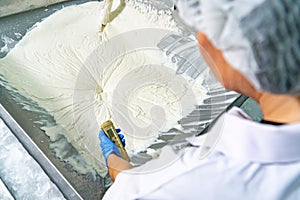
[(107, 146)]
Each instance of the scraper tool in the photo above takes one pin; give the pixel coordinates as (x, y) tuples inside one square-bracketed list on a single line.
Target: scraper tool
[(108, 15)]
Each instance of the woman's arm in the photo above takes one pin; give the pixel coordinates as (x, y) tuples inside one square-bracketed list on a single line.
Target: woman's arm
[(112, 156), (116, 164)]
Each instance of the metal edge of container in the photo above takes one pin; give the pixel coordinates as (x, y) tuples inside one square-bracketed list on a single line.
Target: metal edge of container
[(14, 7), (55, 176), (6, 194)]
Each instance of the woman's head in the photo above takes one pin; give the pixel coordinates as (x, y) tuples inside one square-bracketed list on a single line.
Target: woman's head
[(258, 38)]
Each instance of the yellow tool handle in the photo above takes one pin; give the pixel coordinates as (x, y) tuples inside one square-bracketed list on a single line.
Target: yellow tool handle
[(110, 131)]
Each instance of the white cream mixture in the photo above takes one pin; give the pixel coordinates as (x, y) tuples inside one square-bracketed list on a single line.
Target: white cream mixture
[(59, 65)]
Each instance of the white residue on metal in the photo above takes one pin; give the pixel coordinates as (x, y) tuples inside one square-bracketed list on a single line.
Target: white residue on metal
[(23, 176)]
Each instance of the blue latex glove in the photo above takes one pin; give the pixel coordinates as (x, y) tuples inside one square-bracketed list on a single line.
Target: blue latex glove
[(107, 146)]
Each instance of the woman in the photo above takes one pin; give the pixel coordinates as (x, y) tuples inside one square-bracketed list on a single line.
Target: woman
[(253, 47)]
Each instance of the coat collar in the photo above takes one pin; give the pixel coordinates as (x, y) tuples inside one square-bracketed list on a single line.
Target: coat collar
[(237, 136)]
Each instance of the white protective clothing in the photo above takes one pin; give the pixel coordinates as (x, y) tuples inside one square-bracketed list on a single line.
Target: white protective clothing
[(249, 161)]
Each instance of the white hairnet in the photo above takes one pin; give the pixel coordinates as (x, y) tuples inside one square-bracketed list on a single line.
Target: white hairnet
[(259, 38)]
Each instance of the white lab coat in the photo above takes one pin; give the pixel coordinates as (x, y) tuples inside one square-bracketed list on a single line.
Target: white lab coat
[(249, 161)]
